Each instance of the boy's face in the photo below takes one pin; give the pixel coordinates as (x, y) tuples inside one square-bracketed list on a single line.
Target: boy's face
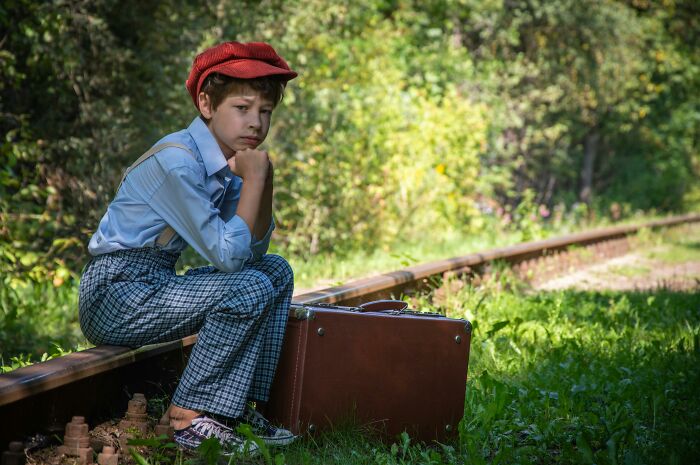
[(240, 121)]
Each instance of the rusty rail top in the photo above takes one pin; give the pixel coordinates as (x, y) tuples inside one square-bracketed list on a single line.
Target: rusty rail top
[(25, 382)]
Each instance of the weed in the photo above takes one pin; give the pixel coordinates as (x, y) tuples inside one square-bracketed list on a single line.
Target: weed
[(161, 451)]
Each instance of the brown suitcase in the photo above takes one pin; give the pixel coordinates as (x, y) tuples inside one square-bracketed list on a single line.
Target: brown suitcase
[(391, 370)]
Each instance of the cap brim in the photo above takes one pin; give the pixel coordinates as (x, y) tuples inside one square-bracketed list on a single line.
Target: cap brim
[(246, 69), (249, 69)]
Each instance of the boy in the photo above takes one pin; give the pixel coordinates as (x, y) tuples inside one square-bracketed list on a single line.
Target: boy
[(208, 187)]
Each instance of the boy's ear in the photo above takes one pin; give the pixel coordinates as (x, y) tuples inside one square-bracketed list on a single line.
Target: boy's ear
[(205, 105)]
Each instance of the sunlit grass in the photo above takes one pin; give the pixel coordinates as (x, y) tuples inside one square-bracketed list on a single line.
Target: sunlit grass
[(628, 270), (678, 252), (557, 377), (330, 270), (336, 269), (564, 377), (39, 321), (675, 245)]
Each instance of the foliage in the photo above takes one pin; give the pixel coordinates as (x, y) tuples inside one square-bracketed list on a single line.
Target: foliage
[(411, 123), (160, 450), (407, 117), (35, 316), (582, 79), (370, 116)]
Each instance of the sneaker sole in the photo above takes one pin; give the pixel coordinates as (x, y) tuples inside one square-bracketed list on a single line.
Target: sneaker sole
[(187, 446), (281, 441)]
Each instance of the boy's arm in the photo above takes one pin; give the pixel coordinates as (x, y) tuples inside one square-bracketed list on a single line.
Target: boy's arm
[(252, 166), (255, 201), (262, 223), (183, 202), (249, 204)]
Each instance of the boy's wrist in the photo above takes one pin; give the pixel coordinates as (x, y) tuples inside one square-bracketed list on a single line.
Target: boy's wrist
[(255, 178)]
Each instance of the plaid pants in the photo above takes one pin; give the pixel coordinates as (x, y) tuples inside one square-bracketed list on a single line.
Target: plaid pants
[(134, 297)]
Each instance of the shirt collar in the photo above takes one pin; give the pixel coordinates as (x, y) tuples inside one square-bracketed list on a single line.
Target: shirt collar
[(212, 156)]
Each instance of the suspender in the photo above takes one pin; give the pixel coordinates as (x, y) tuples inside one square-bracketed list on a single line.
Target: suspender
[(168, 233)]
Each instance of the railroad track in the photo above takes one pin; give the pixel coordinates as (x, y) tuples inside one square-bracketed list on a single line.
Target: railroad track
[(98, 382)]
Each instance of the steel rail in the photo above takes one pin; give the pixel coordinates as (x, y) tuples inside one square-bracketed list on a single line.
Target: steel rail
[(412, 277), (45, 395)]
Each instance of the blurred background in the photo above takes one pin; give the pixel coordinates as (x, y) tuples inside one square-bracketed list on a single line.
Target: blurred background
[(412, 124)]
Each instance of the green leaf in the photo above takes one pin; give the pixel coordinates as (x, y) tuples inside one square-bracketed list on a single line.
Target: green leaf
[(140, 459), (210, 450), (584, 448), (143, 442), (497, 327)]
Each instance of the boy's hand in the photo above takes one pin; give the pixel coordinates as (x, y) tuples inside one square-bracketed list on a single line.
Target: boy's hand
[(250, 164)]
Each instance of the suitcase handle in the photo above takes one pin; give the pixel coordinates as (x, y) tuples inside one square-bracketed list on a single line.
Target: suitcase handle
[(384, 305), (394, 307), (389, 307)]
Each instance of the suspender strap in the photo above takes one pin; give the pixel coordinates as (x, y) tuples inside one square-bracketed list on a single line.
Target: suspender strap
[(168, 233), (155, 149)]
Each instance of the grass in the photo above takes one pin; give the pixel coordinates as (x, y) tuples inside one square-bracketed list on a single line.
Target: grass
[(337, 269), (581, 377), (559, 377), (39, 320), (679, 252), (629, 270), (675, 245), (329, 270), (564, 377)]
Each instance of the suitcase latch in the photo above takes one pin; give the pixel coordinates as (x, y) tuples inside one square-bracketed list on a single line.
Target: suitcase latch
[(303, 313)]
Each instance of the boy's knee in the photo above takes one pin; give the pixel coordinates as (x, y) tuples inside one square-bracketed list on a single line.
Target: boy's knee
[(252, 295), (258, 290), (279, 265)]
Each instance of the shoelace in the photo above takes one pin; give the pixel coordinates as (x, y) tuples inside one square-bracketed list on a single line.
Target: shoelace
[(211, 427), (255, 418)]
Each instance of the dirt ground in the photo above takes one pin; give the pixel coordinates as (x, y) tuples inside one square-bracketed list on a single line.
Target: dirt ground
[(636, 271), (104, 434)]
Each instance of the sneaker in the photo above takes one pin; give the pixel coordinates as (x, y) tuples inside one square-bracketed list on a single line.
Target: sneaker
[(262, 428), (204, 427)]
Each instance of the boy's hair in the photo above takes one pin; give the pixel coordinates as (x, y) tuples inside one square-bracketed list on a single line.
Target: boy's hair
[(219, 86)]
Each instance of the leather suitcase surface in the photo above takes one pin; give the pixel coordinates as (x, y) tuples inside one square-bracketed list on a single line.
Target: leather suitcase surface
[(390, 370)]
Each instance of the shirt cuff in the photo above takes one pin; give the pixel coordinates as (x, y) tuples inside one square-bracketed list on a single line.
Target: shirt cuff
[(239, 238), (259, 247)]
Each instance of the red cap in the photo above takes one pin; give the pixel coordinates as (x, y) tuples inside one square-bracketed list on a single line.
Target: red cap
[(243, 61)]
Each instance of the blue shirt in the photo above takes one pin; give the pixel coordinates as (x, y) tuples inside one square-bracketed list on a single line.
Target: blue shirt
[(194, 193)]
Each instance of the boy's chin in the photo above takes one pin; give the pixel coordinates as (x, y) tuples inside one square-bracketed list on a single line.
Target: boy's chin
[(251, 146)]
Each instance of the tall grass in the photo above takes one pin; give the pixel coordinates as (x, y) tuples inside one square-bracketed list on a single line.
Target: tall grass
[(334, 269), (564, 377), (37, 321), (555, 377), (585, 377)]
